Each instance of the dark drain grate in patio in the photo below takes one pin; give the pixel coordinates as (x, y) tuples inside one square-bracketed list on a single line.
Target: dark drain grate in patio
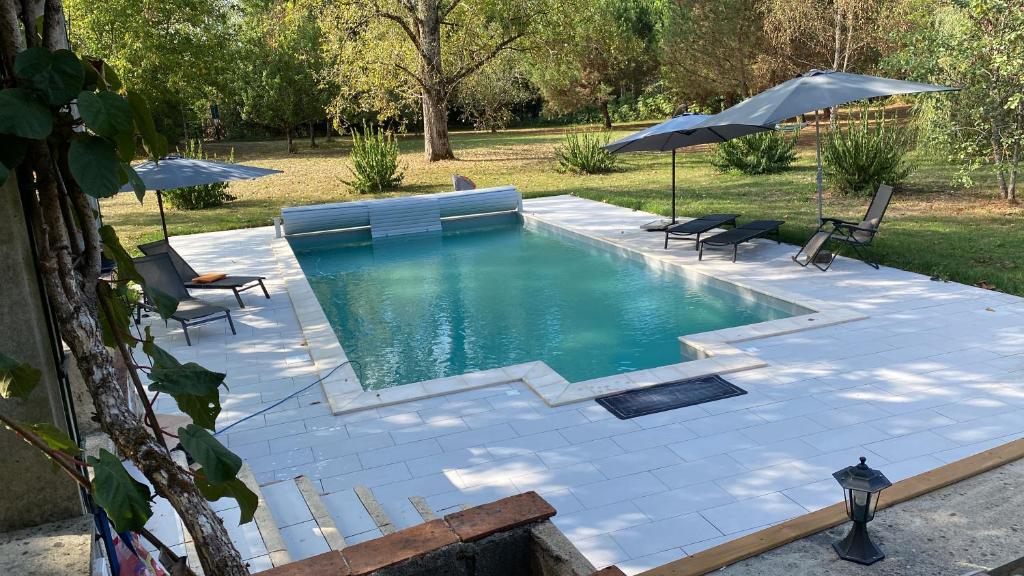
[(633, 403)]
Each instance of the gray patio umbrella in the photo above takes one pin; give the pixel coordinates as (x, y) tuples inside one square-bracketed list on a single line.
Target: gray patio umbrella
[(177, 172), (679, 132), (810, 92)]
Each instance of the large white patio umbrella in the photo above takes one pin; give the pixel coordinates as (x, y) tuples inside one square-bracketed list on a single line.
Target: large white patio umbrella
[(177, 172), (679, 132), (810, 92)]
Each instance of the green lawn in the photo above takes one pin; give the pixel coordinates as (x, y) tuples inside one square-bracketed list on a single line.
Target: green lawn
[(968, 236)]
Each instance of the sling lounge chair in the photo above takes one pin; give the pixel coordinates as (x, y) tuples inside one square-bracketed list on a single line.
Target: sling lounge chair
[(857, 235), (741, 234), (158, 273), (236, 284), (694, 228)]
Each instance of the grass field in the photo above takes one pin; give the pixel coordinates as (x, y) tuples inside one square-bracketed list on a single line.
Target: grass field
[(968, 236)]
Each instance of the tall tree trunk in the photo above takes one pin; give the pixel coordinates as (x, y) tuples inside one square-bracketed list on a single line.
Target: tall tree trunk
[(436, 144), (312, 135), (606, 116), (289, 137), (329, 134), (1011, 185), (997, 158)]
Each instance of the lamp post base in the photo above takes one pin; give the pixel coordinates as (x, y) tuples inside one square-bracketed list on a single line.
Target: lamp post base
[(858, 547)]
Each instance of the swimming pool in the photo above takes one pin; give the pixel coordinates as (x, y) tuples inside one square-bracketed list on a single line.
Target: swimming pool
[(494, 292)]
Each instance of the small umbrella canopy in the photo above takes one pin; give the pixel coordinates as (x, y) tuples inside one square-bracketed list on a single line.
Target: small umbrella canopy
[(810, 92), (679, 132), (177, 172)]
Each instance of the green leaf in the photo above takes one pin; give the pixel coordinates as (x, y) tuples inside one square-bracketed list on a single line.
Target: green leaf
[(22, 114), (109, 76), (120, 330), (113, 249), (248, 501), (125, 499), (219, 464), (95, 166), (12, 150), (195, 389), (155, 143), (55, 438), (17, 379), (125, 142), (137, 184), (105, 113), (58, 75)]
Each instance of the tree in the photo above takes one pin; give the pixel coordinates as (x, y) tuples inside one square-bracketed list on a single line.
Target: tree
[(714, 48), (59, 156), (281, 66), (175, 53), (389, 54), (978, 46), (588, 50), (487, 98), (824, 34)]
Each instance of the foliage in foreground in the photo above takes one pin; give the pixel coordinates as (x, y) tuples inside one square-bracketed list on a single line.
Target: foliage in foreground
[(89, 154), (584, 153), (374, 161), (764, 153), (199, 197), (860, 156)]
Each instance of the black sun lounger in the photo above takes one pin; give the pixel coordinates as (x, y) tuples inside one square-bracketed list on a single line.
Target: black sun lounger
[(234, 283), (694, 228), (741, 234), (158, 273)]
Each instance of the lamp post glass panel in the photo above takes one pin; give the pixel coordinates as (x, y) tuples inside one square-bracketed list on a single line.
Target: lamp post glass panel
[(861, 486)]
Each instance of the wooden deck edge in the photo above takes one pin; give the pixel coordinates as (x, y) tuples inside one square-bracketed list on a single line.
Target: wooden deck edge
[(802, 526)]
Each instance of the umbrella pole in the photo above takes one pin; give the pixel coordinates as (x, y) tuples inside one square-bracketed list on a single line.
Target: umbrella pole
[(160, 204), (817, 154), (673, 185)]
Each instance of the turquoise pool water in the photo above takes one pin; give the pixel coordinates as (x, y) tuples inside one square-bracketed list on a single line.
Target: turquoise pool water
[(423, 307)]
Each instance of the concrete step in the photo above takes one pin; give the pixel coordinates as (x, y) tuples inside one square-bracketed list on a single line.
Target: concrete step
[(299, 529)]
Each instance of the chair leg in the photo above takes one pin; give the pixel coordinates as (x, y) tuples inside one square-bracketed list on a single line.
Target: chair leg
[(264, 288), (735, 249), (238, 297), (227, 314), (698, 241), (184, 328), (666, 240), (700, 253)]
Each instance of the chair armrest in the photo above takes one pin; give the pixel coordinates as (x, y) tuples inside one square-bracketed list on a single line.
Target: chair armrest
[(852, 226), (837, 221)]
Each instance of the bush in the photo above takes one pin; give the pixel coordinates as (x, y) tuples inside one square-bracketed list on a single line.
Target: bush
[(584, 153), (199, 197), (374, 161), (859, 157), (764, 153)]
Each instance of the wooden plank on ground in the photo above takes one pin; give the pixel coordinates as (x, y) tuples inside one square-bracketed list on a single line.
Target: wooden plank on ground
[(323, 519), (374, 509), (421, 506), (803, 526)]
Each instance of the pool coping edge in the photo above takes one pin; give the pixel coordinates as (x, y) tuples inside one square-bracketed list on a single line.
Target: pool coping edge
[(345, 394)]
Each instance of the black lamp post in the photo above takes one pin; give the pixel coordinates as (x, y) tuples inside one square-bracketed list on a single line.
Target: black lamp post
[(862, 486)]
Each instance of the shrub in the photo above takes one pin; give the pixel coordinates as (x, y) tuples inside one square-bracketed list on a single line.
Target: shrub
[(374, 161), (584, 153), (764, 153), (199, 197), (864, 154)]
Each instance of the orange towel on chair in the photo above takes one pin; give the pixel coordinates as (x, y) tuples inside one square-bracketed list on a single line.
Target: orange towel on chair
[(207, 278)]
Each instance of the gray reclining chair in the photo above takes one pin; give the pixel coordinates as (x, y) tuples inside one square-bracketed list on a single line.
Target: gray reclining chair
[(158, 273), (857, 235), (236, 284)]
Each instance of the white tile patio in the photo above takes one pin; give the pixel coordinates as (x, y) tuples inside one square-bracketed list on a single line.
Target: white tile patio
[(935, 373)]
